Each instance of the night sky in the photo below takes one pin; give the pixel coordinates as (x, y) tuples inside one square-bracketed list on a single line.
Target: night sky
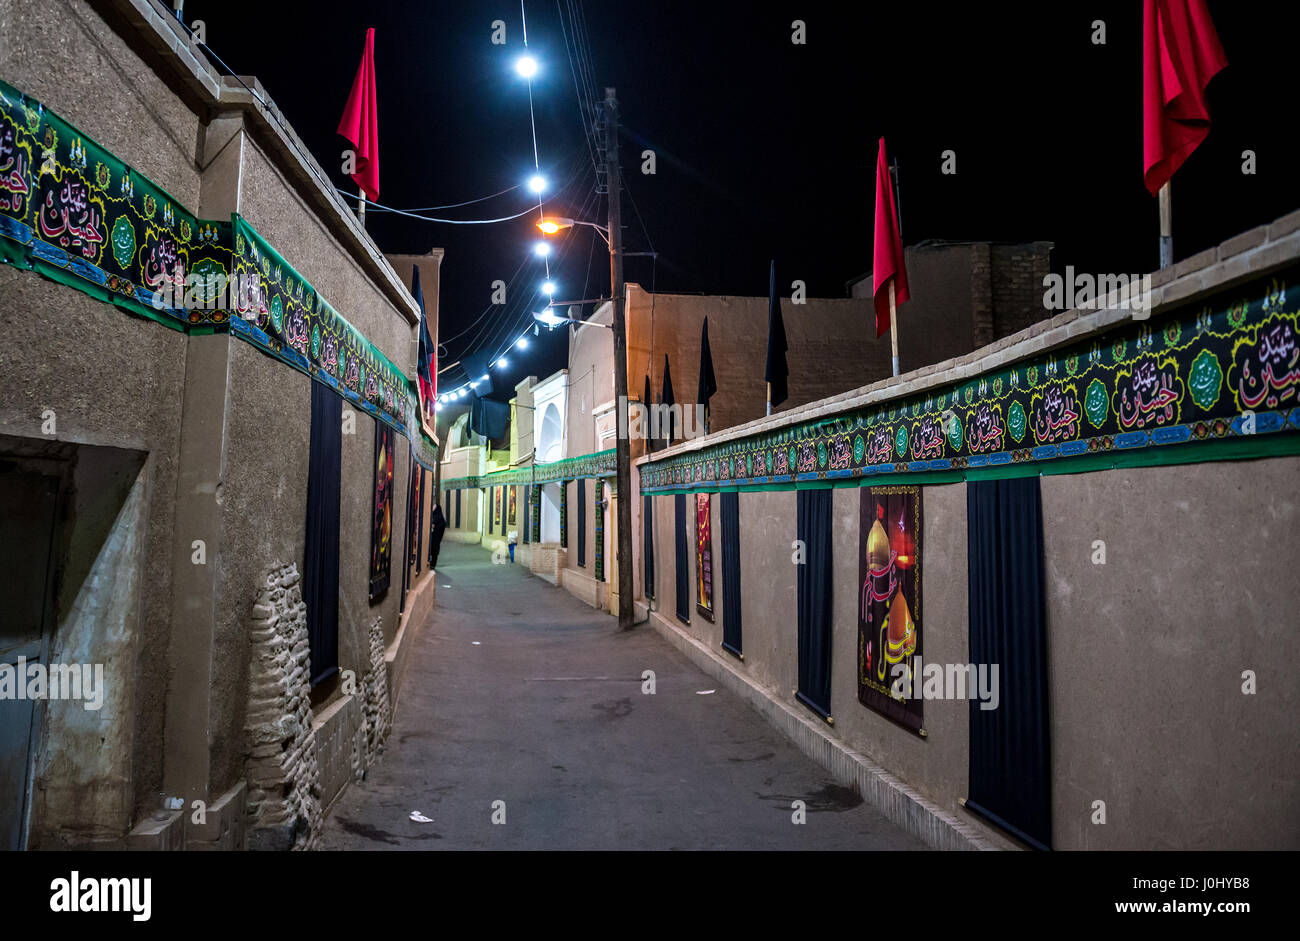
[(766, 149)]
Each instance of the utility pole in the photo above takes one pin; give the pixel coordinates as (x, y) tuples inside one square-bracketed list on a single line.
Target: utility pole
[(622, 451)]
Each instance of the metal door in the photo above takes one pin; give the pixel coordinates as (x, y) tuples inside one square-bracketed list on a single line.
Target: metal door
[(28, 512)]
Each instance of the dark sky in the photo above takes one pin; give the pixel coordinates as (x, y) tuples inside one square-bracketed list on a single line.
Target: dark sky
[(765, 148)]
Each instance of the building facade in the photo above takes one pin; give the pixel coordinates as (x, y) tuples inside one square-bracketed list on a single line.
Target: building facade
[(169, 450)]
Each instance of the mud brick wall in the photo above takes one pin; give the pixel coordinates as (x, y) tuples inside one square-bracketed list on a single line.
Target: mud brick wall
[(284, 809)]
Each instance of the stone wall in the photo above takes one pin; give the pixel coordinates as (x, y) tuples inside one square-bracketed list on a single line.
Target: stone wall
[(378, 714), (1017, 286), (284, 807)]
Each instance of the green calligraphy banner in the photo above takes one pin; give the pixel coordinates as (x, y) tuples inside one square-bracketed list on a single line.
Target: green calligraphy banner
[(1211, 373)]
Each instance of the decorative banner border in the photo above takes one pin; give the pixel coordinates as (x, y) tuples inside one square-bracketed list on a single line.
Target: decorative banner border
[(76, 214), (1226, 369), (595, 465), (289, 320)]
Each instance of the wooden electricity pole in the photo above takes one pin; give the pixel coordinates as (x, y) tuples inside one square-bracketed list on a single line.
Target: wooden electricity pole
[(622, 452)]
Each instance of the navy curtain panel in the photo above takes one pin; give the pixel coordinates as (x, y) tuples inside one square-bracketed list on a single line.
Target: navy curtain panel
[(814, 605), (320, 578), (729, 509), (683, 547), (419, 517), (582, 521), (1010, 770), (458, 509), (648, 549), (409, 524)]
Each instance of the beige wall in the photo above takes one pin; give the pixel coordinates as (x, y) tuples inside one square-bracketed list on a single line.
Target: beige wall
[(132, 392), (1145, 652), (131, 396)]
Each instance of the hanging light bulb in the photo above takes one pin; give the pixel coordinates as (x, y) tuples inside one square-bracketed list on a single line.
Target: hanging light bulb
[(522, 343)]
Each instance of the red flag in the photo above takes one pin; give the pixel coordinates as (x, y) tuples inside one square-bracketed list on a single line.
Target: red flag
[(360, 122), (1181, 53), (888, 261)]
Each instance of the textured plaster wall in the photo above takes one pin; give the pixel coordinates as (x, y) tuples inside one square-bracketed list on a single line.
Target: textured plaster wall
[(1145, 651), (263, 521), (63, 53), (130, 399), (130, 395), (1146, 655)]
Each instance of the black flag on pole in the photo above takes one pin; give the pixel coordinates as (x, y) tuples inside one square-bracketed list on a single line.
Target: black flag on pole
[(666, 397), (647, 430), (777, 371), (708, 385)]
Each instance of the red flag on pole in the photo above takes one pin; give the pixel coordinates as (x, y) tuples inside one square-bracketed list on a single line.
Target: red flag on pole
[(888, 256), (360, 122), (1181, 53)]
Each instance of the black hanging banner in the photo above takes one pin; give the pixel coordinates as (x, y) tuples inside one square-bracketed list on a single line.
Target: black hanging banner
[(814, 601), (320, 577), (419, 517), (1010, 748), (729, 510), (648, 548), (683, 547), (381, 525), (564, 514), (458, 509), (582, 522)]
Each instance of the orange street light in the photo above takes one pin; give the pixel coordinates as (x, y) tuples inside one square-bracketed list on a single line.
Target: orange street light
[(552, 224)]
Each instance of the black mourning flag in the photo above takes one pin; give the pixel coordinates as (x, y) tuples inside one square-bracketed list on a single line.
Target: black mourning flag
[(645, 402), (777, 371), (708, 384), (666, 398)]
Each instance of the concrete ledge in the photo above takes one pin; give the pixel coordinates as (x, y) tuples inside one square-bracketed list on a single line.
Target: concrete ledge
[(900, 804), (419, 608)]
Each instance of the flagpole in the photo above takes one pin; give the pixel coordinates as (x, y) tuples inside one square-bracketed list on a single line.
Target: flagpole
[(893, 325), (893, 308), (361, 208), (769, 398), (1166, 226)]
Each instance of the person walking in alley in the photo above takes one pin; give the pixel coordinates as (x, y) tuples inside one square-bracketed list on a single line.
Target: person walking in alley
[(437, 525)]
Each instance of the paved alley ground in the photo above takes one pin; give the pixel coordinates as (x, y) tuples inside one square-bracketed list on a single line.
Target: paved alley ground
[(518, 692)]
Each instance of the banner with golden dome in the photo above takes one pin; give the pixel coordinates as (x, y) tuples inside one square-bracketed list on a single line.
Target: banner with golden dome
[(889, 601), (703, 556)]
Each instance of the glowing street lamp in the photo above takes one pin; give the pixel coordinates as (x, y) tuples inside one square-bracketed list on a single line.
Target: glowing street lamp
[(537, 183), (526, 66), (552, 224), (541, 249), (502, 363), (522, 343), (548, 288)]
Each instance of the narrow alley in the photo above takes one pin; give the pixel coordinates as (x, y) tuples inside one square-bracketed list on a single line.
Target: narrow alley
[(518, 692)]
